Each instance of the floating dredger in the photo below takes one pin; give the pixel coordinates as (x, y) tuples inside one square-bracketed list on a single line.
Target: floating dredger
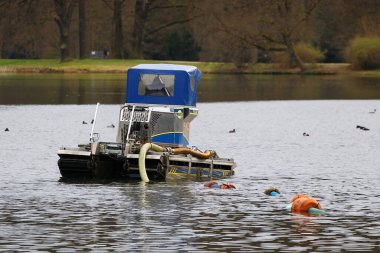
[(153, 134)]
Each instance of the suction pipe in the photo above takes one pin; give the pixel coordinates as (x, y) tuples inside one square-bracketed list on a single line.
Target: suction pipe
[(151, 146), (186, 151), (144, 149)]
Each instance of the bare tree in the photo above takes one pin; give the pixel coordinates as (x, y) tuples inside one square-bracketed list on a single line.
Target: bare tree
[(284, 24), (118, 36), (82, 28), (63, 13), (5, 30), (145, 9), (142, 9), (226, 30), (20, 27), (276, 25)]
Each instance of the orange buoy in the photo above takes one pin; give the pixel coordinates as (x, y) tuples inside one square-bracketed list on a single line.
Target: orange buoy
[(302, 203), (299, 196)]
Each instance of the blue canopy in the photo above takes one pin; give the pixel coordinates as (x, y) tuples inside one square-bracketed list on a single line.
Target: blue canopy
[(163, 84)]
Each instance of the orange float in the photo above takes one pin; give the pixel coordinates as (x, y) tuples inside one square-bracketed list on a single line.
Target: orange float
[(302, 203), (299, 196)]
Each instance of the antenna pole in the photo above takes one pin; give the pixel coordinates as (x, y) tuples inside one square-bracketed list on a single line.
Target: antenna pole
[(93, 125), (130, 122)]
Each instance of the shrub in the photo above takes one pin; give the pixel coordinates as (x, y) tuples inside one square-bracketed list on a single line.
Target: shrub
[(306, 52), (181, 46), (363, 53)]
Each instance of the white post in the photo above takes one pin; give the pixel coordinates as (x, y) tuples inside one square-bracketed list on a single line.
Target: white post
[(130, 122), (93, 125)]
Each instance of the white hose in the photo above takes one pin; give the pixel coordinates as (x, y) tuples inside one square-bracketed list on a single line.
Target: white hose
[(144, 149)]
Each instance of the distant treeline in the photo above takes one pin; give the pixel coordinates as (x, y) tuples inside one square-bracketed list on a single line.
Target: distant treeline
[(288, 32)]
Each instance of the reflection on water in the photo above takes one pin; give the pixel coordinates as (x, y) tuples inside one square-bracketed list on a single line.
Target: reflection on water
[(286, 87), (62, 89), (110, 88), (337, 164)]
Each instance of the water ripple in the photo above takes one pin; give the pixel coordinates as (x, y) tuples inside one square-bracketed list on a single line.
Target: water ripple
[(337, 165)]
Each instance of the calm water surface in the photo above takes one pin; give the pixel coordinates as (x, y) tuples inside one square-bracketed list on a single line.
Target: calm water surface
[(337, 164), (110, 88)]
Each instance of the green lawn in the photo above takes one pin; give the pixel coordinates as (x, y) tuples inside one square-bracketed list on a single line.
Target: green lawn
[(86, 65), (54, 65), (121, 66)]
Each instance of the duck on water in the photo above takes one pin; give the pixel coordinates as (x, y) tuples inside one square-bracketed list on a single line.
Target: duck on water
[(153, 133)]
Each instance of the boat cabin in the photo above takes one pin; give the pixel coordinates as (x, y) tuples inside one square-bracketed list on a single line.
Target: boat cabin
[(160, 104)]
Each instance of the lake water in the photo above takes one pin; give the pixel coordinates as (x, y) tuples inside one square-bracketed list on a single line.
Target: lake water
[(337, 164), (110, 88)]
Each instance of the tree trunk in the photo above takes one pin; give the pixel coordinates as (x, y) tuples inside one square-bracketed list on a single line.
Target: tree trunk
[(82, 28), (118, 44), (64, 48), (63, 39), (294, 58), (139, 28), (62, 18), (2, 50)]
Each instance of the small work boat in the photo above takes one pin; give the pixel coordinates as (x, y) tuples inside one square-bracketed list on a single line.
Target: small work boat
[(153, 133)]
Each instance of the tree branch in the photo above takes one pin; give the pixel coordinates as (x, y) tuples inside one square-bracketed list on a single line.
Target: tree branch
[(107, 4), (308, 12), (249, 41), (155, 30), (169, 7), (270, 39), (70, 9)]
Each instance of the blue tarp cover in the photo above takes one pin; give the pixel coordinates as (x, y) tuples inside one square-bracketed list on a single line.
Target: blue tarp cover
[(185, 84)]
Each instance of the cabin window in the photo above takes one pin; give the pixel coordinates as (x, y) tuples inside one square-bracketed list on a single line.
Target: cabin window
[(156, 85), (192, 83)]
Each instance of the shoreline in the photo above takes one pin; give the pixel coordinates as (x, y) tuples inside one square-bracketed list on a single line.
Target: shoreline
[(121, 66)]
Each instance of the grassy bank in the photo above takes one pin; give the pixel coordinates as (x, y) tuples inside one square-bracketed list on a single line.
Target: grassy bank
[(121, 66)]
